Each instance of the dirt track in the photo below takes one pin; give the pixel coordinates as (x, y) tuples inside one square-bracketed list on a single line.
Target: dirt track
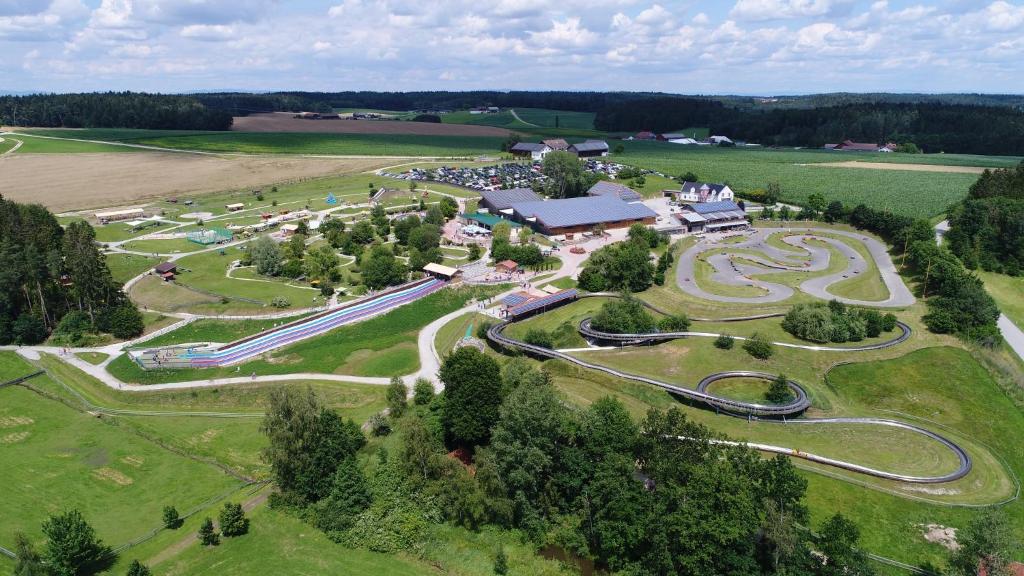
[(910, 167), (75, 181), (284, 122)]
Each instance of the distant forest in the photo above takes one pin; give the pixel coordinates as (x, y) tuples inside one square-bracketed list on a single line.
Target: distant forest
[(963, 123), (112, 110), (934, 127)]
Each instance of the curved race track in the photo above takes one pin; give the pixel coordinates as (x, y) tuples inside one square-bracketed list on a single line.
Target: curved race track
[(729, 271), (794, 407)]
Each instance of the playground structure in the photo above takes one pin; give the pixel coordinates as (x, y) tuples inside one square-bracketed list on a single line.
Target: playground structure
[(208, 236), (205, 356)]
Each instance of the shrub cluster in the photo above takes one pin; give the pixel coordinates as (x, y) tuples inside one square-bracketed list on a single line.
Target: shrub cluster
[(836, 322)]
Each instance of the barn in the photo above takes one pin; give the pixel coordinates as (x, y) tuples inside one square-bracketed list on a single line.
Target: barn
[(582, 214)]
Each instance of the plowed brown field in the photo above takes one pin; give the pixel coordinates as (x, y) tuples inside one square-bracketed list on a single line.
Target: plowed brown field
[(285, 122)]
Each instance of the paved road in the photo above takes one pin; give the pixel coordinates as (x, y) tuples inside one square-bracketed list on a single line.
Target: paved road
[(804, 258)]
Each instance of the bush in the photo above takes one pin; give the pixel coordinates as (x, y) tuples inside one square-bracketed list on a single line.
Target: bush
[(759, 347), (724, 342), (73, 326), (397, 397), (379, 425), (835, 322), (482, 328), (591, 280), (280, 302), (232, 520), (678, 323), (538, 337), (625, 315), (422, 392), (778, 392)]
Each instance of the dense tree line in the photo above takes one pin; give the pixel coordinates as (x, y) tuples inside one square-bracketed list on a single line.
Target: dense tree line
[(934, 127), (836, 322), (112, 110), (987, 228), (55, 280)]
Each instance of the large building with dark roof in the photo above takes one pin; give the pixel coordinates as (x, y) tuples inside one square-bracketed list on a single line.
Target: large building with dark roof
[(582, 214), (500, 201), (712, 216), (590, 148), (606, 188), (534, 151)]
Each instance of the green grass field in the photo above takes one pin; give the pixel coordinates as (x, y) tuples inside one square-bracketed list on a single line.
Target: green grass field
[(557, 118), (69, 459), (124, 267), (59, 146), (919, 194), (1008, 292)]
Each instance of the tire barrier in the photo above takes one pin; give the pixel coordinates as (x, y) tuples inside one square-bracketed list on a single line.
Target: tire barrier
[(252, 346), (767, 413)]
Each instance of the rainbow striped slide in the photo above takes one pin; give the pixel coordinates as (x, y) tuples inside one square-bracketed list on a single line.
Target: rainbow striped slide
[(249, 347)]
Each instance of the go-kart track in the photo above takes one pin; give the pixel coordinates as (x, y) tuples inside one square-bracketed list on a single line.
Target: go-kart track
[(768, 413), (252, 346), (735, 265)]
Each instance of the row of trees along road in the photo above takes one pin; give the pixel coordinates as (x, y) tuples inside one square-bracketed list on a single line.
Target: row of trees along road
[(55, 280)]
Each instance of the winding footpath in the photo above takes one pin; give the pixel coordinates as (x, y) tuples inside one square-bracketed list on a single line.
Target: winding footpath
[(735, 265)]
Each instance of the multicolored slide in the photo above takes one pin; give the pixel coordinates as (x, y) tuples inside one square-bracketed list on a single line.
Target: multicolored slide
[(249, 347)]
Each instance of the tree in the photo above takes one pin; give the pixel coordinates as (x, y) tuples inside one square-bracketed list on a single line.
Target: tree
[(449, 207), (362, 232), (834, 212), (138, 569), (29, 561), (676, 323), (265, 256), (321, 265), (474, 252), (29, 329), (424, 237), (232, 520), (759, 346), (124, 321), (724, 342), (72, 547), (987, 541), (778, 391), (349, 497), (422, 392), (171, 518), (434, 216), (837, 540), (381, 269), (623, 266), (404, 226), (566, 177), (689, 176), (397, 397), (501, 232), (816, 202), (471, 397), (295, 246), (207, 535), (306, 442)]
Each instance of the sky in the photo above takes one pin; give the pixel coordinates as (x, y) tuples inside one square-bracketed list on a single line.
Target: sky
[(752, 47)]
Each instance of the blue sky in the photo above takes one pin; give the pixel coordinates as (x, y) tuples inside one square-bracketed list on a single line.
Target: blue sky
[(684, 46)]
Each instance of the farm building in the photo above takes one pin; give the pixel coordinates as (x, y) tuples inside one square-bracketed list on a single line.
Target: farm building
[(501, 201), (590, 148), (234, 207), (556, 143), (606, 188), (166, 270), (701, 192), (289, 229), (645, 135), (530, 150), (851, 146), (485, 220), (712, 216), (209, 236), (506, 266), (571, 215), (442, 272), (115, 215)]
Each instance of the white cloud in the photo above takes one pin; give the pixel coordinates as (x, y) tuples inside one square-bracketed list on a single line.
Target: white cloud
[(208, 31), (779, 9)]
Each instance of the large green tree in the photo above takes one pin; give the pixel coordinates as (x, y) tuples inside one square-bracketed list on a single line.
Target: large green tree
[(381, 269), (72, 548), (472, 396)]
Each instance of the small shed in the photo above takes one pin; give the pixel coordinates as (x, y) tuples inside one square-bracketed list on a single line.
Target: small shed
[(289, 229), (507, 266), (165, 267), (234, 207), (442, 272)]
